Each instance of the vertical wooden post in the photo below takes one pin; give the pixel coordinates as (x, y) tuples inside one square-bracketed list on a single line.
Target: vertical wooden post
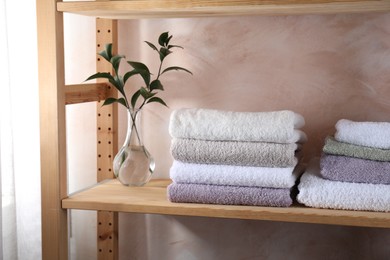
[(107, 144), (52, 127)]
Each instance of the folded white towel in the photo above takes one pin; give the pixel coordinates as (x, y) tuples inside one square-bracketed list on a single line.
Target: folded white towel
[(371, 134), (315, 191), (233, 175), (215, 125)]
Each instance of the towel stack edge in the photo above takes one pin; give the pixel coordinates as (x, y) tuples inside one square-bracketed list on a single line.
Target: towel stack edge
[(357, 153), (315, 191), (353, 172), (234, 158)]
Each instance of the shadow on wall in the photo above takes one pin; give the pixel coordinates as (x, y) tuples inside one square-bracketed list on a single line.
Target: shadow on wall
[(195, 238)]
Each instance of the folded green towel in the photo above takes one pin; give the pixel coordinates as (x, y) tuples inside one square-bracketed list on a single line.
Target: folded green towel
[(338, 148)]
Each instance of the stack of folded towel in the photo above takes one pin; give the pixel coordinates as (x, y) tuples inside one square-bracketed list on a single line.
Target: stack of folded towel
[(234, 158), (354, 170)]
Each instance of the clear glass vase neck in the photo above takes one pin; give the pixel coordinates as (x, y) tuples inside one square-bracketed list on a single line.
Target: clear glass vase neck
[(133, 135)]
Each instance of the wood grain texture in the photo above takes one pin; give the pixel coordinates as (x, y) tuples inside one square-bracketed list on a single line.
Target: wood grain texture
[(182, 8), (107, 142), (152, 198), (80, 93), (52, 127)]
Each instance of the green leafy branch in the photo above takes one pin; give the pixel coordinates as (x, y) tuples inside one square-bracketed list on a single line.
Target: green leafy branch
[(147, 93)]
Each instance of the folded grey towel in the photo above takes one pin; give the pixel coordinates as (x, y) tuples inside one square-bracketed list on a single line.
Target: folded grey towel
[(229, 195), (349, 169), (332, 146), (234, 153)]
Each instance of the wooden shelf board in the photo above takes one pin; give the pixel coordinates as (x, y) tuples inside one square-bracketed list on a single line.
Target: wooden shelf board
[(152, 198), (185, 8)]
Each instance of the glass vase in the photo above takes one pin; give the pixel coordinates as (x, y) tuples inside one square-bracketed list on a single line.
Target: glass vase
[(133, 165)]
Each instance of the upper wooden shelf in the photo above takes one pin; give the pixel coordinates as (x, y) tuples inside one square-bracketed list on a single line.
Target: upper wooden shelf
[(152, 198), (187, 8)]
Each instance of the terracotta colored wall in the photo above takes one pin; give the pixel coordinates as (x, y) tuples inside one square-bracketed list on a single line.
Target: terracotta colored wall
[(325, 67)]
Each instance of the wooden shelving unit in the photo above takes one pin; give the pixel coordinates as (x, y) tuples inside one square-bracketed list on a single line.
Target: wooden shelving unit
[(183, 8), (152, 198), (110, 196)]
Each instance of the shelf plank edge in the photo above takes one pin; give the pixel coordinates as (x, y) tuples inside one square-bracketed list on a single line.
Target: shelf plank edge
[(178, 9), (152, 200)]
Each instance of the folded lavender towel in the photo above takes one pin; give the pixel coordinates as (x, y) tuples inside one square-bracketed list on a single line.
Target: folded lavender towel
[(332, 146), (371, 134), (209, 124), (349, 169), (234, 153), (229, 195), (234, 175), (315, 191)]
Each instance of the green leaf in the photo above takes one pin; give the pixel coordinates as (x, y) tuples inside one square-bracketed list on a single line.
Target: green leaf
[(164, 52), (101, 75), (141, 69), (156, 84), (107, 52), (151, 45), (174, 46), (145, 93), (116, 84), (169, 38), (162, 40), (115, 61), (119, 84), (122, 101), (135, 97), (128, 75), (175, 68), (110, 101), (138, 65), (158, 100), (116, 81), (145, 75)]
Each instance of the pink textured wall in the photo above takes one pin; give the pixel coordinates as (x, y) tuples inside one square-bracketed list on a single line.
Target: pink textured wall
[(325, 67)]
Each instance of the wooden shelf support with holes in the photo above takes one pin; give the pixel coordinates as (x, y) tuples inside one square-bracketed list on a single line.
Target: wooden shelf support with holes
[(107, 143)]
